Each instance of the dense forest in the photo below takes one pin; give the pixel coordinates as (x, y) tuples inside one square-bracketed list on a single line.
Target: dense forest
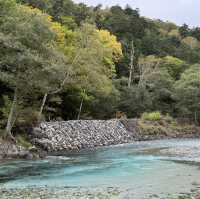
[(60, 61)]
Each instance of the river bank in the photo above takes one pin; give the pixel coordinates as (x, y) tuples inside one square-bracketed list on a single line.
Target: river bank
[(75, 136), (80, 135), (83, 193), (12, 151)]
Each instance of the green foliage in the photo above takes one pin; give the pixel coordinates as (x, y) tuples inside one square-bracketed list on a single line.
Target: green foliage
[(152, 129), (23, 141), (6, 8), (184, 30), (27, 117), (72, 53), (174, 66), (31, 60), (6, 108), (4, 111), (188, 93), (163, 125), (154, 116), (169, 119), (134, 101)]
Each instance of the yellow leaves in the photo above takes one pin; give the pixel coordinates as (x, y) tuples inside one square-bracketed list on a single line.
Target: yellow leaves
[(174, 33), (109, 68), (68, 43), (112, 51), (163, 32), (192, 42), (170, 33), (46, 29), (55, 27), (59, 30), (110, 41), (173, 60), (33, 11)]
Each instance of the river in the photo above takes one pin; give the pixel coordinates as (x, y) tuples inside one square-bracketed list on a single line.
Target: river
[(142, 169)]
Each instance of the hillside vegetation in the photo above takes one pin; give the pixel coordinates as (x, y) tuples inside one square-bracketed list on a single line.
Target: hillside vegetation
[(60, 60)]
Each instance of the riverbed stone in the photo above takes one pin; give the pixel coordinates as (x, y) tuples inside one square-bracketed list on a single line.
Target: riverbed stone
[(80, 134), (76, 135)]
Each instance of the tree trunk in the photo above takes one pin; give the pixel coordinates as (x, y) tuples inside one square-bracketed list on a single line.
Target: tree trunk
[(42, 106), (80, 109), (131, 65), (10, 121), (67, 75)]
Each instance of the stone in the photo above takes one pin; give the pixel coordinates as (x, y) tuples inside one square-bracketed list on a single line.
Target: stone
[(29, 156), (80, 134)]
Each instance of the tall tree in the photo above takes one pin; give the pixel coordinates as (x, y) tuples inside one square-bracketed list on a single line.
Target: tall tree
[(131, 70), (188, 93), (31, 62)]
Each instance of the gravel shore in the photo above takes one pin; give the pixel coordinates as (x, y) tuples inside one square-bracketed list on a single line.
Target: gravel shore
[(85, 193)]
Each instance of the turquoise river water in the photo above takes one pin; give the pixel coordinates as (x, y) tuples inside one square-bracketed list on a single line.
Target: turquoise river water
[(140, 167)]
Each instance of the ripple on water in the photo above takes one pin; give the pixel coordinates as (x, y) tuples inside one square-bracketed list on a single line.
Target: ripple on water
[(122, 166)]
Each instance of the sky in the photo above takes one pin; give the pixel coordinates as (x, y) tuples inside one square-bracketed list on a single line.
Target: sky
[(177, 11)]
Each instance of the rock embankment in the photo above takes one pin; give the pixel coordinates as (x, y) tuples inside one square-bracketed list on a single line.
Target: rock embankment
[(88, 134), (82, 134), (9, 150)]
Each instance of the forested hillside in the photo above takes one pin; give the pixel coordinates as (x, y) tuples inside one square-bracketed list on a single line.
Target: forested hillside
[(60, 60)]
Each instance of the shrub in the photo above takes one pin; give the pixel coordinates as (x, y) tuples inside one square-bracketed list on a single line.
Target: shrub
[(169, 119), (23, 141), (154, 116)]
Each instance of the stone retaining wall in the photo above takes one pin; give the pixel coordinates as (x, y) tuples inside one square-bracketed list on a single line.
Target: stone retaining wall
[(82, 134)]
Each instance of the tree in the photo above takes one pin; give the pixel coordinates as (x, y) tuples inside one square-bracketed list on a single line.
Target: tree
[(31, 61), (174, 33), (184, 30), (147, 65), (192, 42), (134, 100), (174, 66), (150, 44), (132, 55), (196, 33), (157, 81), (112, 50), (40, 4), (159, 85), (187, 54), (187, 90), (94, 69)]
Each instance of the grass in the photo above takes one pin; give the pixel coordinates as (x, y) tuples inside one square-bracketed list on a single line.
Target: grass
[(153, 116), (157, 124)]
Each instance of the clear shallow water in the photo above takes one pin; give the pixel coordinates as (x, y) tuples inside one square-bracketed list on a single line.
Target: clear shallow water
[(120, 166)]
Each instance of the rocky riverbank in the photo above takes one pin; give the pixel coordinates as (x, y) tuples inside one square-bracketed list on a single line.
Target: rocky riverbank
[(89, 193), (79, 135), (9, 150), (82, 134), (89, 134)]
